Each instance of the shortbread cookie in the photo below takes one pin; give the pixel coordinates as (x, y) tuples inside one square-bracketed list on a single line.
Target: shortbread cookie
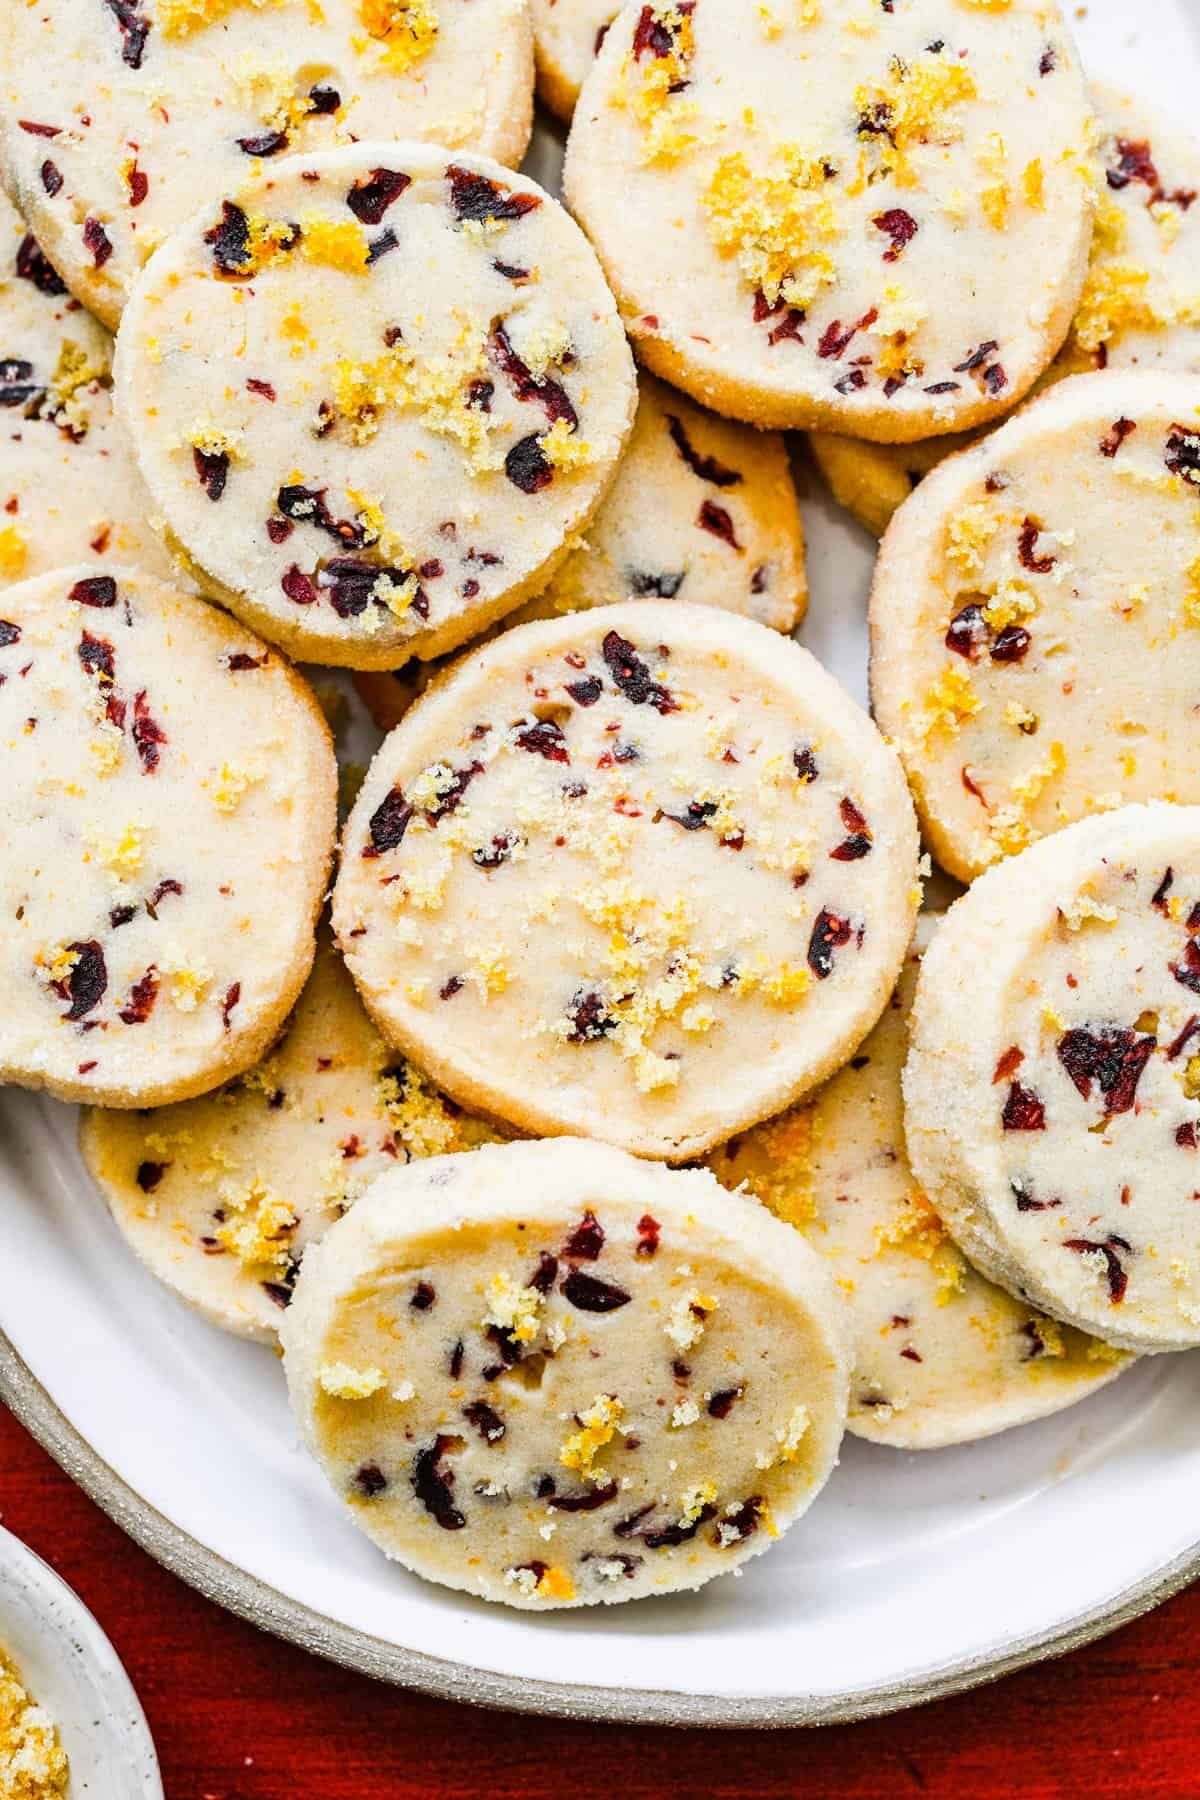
[(221, 1196), (793, 205), (170, 814), (69, 486), (567, 34), (374, 397), (701, 510), (1035, 618), (1140, 306), (1052, 1097), (119, 119), (941, 1355), (646, 874), (553, 1375)]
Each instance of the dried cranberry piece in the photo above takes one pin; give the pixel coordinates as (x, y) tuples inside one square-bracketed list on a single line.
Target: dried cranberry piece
[(139, 185), (511, 271), (836, 337), (451, 799), (381, 244), (149, 1174), (587, 1240), (526, 465), (434, 1485), (1183, 454), (241, 660), (1113, 1056), (850, 384), (369, 199), (545, 1275), (706, 467), (16, 388), (587, 691), (1023, 1110), (351, 584), (589, 1021), (550, 394), (9, 633), (587, 1501), (229, 1000), (829, 933), (715, 519), (142, 995), (805, 762), (667, 1537), (388, 823), (148, 734), (456, 1360), (212, 467), (423, 1296), (899, 226), (1022, 1192), (88, 979), (1158, 898), (1048, 61), (370, 1480), (162, 889), (967, 632), (1188, 975), (545, 738), (722, 1403), (474, 196), (121, 915), (486, 1420), (230, 240), (36, 130), (260, 387), (652, 35), (1011, 645), (587, 1293), (307, 506), (1134, 163), (1178, 1045), (632, 676), (323, 99), (1008, 1063), (34, 265), (94, 590), (1185, 1136), (1027, 552), (696, 818), (96, 654), (1115, 1272), (134, 29), (743, 1520), (264, 143), (283, 1290), (1112, 440), (298, 586), (97, 241), (662, 587), (858, 844), (649, 1232), (51, 177), (491, 856)]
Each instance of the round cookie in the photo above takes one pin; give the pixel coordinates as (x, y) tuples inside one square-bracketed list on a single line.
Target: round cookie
[(1035, 618), (646, 873), (826, 273), (388, 437), (1139, 307), (701, 510), (567, 34), (941, 1355), (553, 1375), (171, 790), (221, 1196), (69, 486), (1052, 1098), (119, 120)]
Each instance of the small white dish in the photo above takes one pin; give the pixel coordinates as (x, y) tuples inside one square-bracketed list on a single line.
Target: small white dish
[(70, 1668)]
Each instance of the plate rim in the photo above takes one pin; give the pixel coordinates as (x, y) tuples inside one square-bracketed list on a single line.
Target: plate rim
[(443, 1678)]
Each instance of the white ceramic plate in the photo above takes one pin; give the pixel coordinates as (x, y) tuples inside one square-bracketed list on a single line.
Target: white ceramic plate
[(914, 1574), (72, 1670)]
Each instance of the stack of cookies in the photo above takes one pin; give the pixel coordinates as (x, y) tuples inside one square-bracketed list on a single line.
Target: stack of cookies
[(619, 1135)]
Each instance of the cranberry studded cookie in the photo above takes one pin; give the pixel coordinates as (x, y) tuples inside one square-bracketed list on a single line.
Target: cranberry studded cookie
[(1140, 306), (69, 485), (794, 203), (553, 1375), (646, 873), (567, 34), (221, 1196), (1052, 1095), (121, 118), (1035, 618), (374, 397), (171, 796), (941, 1355), (701, 510)]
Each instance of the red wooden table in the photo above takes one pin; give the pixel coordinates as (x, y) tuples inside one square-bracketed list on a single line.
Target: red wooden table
[(238, 1716)]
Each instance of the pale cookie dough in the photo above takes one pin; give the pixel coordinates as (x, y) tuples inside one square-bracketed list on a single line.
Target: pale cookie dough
[(120, 118), (221, 1196), (1035, 618), (794, 204), (701, 510), (33, 1763), (567, 34), (170, 792), (69, 485), (552, 1375), (646, 873), (375, 397), (941, 1355), (1052, 1095), (1140, 306)]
